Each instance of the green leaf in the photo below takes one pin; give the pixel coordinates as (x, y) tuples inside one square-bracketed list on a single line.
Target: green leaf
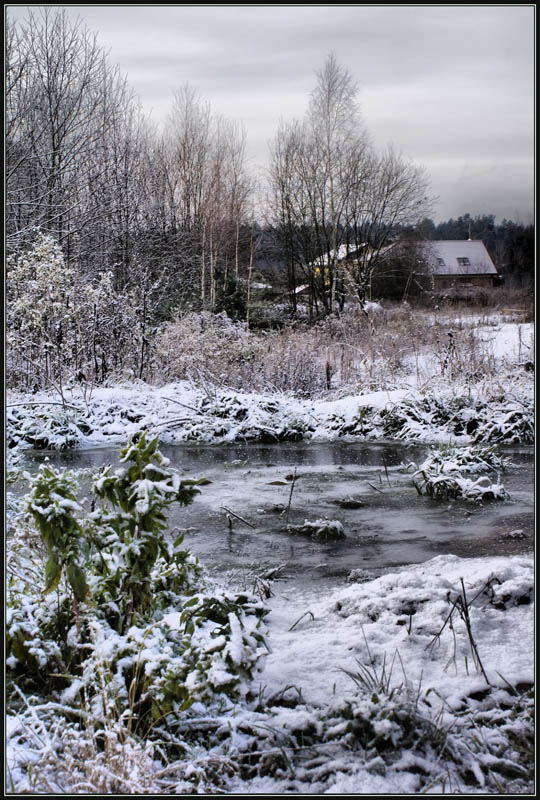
[(152, 447), (187, 704), (53, 571), (77, 580)]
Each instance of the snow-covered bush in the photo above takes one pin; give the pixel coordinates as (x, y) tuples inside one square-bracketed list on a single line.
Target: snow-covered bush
[(511, 422), (211, 349), (228, 416), (203, 346), (61, 328), (54, 427), (41, 318), (361, 423), (452, 487), (106, 590), (458, 415), (319, 529), (472, 458), (405, 419), (440, 476)]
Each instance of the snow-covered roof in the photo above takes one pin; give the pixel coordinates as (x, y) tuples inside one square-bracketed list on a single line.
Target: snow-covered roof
[(459, 257), (342, 252)]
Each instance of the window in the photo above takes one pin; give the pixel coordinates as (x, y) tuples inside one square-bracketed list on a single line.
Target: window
[(463, 262), (440, 262)]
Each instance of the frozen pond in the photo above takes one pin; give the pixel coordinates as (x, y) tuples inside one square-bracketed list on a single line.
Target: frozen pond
[(365, 487)]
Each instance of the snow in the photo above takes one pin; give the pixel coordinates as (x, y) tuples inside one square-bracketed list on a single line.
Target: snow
[(370, 621), (375, 308), (395, 624), (348, 406), (508, 340), (173, 620), (179, 412), (244, 416)]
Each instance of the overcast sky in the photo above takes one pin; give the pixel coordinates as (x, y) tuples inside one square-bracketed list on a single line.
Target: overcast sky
[(449, 86)]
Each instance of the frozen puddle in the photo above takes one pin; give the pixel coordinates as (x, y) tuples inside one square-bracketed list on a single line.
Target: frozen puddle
[(238, 525)]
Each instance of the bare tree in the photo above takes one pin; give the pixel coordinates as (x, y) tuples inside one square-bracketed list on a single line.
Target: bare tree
[(69, 138), (295, 210), (336, 128), (391, 194), (204, 188), (338, 205)]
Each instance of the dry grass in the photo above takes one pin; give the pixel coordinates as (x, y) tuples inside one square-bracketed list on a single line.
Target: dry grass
[(353, 350)]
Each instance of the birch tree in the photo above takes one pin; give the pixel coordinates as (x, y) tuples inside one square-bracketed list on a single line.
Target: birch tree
[(204, 191), (337, 203)]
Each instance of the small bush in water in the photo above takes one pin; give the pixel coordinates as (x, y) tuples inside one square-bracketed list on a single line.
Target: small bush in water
[(441, 477), (319, 529)]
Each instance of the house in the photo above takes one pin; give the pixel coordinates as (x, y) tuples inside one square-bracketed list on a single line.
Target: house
[(458, 262)]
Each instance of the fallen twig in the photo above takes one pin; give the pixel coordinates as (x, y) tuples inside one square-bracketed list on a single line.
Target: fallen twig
[(184, 405), (374, 487), (44, 403), (233, 514), (172, 421)]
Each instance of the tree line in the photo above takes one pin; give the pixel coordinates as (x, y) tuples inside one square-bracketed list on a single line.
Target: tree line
[(85, 166), (141, 223)]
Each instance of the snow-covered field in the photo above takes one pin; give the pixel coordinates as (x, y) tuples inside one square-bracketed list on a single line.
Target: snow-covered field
[(393, 628), (402, 612), (419, 680)]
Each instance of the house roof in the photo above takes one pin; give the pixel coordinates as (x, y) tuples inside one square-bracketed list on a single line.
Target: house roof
[(344, 251), (459, 257)]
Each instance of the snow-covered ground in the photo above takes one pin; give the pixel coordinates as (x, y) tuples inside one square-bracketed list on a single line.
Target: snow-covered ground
[(416, 665), (401, 612), (416, 680), (395, 625)]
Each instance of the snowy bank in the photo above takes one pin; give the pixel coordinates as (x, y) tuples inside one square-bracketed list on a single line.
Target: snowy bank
[(402, 613), (179, 413)]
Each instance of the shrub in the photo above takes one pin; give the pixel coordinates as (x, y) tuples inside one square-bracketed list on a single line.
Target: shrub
[(440, 476), (319, 529), (122, 600), (43, 428)]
